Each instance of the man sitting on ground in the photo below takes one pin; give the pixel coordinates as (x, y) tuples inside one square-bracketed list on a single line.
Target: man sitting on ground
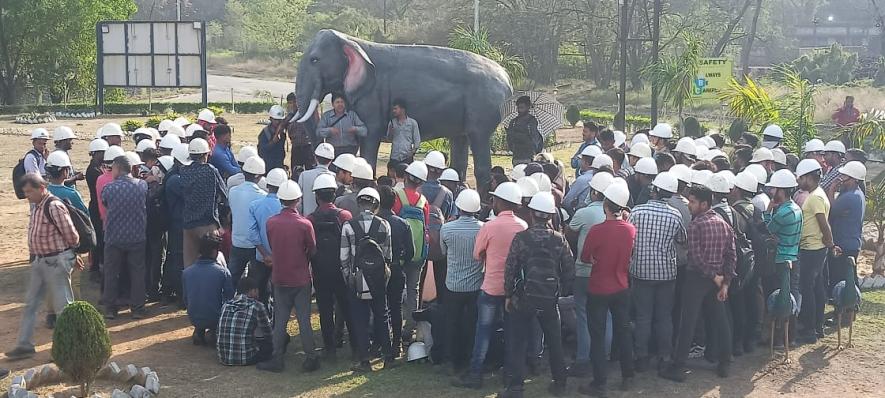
[(206, 285), (244, 334)]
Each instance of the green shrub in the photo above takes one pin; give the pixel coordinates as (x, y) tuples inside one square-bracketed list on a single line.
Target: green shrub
[(132, 124), (691, 127), (738, 127), (832, 65), (217, 110), (81, 344), (573, 114), (153, 121)]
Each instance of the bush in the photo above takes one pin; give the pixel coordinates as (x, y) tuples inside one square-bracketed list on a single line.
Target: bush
[(217, 110), (132, 124), (81, 344), (833, 66), (137, 108), (153, 122), (573, 115)]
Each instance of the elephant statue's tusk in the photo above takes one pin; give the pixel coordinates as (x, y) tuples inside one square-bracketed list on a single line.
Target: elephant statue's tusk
[(310, 110)]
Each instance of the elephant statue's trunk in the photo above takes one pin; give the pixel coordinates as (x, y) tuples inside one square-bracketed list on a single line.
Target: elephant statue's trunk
[(310, 110)]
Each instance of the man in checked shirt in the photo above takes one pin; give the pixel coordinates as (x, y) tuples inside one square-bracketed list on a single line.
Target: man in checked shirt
[(50, 240), (711, 266), (244, 334)]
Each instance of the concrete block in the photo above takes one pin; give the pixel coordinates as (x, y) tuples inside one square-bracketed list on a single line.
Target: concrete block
[(119, 394), (19, 381), (152, 383), (137, 391), (878, 282), (142, 375), (866, 283), (127, 374), (17, 392)]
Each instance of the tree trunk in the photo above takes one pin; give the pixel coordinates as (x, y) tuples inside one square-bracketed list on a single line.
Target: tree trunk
[(729, 30), (751, 37)]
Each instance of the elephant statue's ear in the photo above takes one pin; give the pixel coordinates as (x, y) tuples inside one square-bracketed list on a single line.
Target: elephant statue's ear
[(360, 68)]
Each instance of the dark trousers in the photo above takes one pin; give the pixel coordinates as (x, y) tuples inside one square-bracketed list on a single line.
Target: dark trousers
[(519, 335), (460, 320), (351, 149), (396, 288), (745, 313), (360, 311), (174, 263), (285, 300), (598, 307), (261, 273), (331, 292), (239, 262), (155, 255), (302, 156), (96, 256), (700, 293), (653, 306), (812, 287), (124, 257), (839, 269)]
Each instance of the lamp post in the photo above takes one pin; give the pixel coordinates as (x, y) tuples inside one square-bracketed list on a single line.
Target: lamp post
[(476, 15)]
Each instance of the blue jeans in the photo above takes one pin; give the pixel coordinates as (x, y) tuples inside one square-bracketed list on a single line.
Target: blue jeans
[(582, 330), (489, 311)]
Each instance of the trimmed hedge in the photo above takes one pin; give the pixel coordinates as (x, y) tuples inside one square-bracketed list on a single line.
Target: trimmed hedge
[(80, 343), (141, 108), (608, 118)]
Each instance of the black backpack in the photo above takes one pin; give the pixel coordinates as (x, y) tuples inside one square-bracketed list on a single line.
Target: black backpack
[(538, 282), (81, 221), (18, 172), (157, 209), (368, 263), (746, 258), (327, 229)]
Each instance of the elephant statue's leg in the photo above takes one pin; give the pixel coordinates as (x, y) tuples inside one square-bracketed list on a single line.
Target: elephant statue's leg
[(459, 154), (369, 148), (480, 144)]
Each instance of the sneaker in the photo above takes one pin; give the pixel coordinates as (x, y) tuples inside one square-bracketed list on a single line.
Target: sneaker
[(310, 364), (673, 373), (275, 366), (390, 363), (361, 367), (3, 373), (110, 314), (627, 383), (140, 313), (198, 338), (468, 380), (557, 388), (697, 351), (50, 321), (723, 370), (593, 390), (21, 353), (579, 369)]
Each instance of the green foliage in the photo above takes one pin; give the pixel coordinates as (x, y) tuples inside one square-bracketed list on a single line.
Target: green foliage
[(478, 42), (573, 114), (114, 95), (737, 128), (833, 65), (354, 22), (80, 343), (608, 118), (153, 122), (268, 27), (869, 131), (675, 73), (439, 144), (217, 110), (691, 127), (132, 124), (875, 211)]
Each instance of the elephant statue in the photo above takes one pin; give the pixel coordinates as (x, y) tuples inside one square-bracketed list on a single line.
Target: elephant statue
[(450, 93)]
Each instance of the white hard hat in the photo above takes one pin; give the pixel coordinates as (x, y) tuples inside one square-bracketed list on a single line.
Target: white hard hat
[(276, 112), (276, 177), (193, 128), (207, 116), (345, 161), (666, 181), (855, 170), (324, 181), (701, 152), (835, 146), (134, 159), (773, 130), (761, 155), (543, 202), (640, 150), (417, 350), (113, 152), (759, 172), (198, 146), (747, 181), (602, 160), (807, 166), (701, 177), (681, 172), (98, 133), (686, 146), (144, 145), (181, 121), (369, 192), (544, 183), (167, 162), (646, 166), (262, 183), (325, 150), (246, 152), (170, 141), (435, 159), (289, 190), (176, 130), (638, 138), (779, 156), (111, 129), (528, 186), (662, 130), (718, 183), (813, 145), (165, 124), (729, 177), (418, 170), (713, 154), (620, 138), (254, 165), (701, 142), (58, 159), (591, 151), (363, 170), (601, 181), (155, 134), (782, 179), (98, 145), (518, 171), (63, 133), (142, 131), (711, 143), (509, 191), (181, 154), (468, 201), (450, 175), (618, 194), (39, 133)]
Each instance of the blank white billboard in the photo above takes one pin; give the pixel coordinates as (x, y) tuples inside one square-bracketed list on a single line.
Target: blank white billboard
[(151, 54)]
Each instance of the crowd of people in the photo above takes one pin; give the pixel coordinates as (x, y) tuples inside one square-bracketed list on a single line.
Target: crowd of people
[(657, 251)]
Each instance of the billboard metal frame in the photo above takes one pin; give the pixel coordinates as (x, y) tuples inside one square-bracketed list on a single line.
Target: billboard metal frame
[(99, 70)]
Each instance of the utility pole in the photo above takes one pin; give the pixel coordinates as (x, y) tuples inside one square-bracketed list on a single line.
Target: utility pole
[(655, 59), (621, 118), (475, 16), (178, 9), (385, 17)]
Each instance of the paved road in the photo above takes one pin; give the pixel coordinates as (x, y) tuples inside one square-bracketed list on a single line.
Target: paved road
[(244, 89)]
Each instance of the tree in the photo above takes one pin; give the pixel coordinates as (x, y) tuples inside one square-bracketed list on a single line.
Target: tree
[(80, 343), (675, 73), (51, 43), (268, 27), (833, 65), (478, 42)]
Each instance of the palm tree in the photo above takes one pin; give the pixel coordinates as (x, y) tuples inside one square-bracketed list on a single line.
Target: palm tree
[(674, 74), (477, 42)]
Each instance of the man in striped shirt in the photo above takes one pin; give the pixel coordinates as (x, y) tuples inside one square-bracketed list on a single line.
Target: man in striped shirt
[(784, 220), (50, 240)]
